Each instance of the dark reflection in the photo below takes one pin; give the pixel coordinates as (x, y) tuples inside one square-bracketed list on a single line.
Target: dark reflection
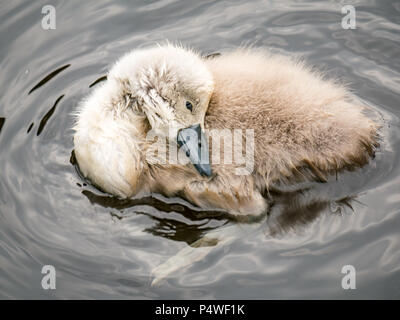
[(47, 116), (101, 79), (72, 159), (292, 210), (30, 127), (48, 78), (199, 220), (179, 231), (288, 211), (2, 120), (193, 214)]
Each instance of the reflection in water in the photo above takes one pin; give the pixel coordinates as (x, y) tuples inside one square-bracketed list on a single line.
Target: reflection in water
[(46, 117), (296, 209), (30, 127), (189, 231), (2, 120), (103, 78), (289, 210), (48, 78)]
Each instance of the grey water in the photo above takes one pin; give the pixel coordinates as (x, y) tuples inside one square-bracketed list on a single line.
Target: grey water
[(104, 247)]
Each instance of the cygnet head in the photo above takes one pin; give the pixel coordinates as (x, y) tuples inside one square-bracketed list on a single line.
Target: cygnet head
[(172, 87), (170, 84)]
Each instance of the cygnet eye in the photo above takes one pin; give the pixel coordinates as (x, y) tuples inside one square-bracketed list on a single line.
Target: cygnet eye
[(189, 106)]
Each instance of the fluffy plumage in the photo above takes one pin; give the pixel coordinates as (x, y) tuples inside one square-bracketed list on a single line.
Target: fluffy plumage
[(305, 127)]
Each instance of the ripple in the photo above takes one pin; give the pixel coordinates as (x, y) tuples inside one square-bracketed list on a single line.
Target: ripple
[(48, 77)]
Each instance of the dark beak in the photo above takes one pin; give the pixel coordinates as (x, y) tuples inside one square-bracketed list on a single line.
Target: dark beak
[(194, 143)]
